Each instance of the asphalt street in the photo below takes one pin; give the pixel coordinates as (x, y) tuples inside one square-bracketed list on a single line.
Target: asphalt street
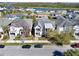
[(18, 51)]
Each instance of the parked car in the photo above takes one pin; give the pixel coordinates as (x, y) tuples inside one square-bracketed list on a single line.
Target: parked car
[(26, 46), (38, 46), (2, 46), (75, 45), (58, 53)]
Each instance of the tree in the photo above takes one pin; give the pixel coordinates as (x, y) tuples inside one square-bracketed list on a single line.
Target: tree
[(30, 37), (53, 36), (23, 17), (71, 52), (5, 29), (42, 38), (67, 37), (34, 18), (29, 12), (49, 17), (51, 33), (14, 11), (62, 38), (5, 37)]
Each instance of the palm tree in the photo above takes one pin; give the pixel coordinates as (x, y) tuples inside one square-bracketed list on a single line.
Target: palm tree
[(71, 52), (55, 37)]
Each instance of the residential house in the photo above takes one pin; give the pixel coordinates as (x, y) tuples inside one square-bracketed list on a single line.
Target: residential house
[(20, 26), (30, 9), (42, 14), (14, 16), (76, 11), (14, 31), (76, 31), (41, 26), (53, 15), (70, 15), (63, 24), (62, 12)]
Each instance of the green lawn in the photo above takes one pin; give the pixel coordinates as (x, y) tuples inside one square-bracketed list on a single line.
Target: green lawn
[(20, 44), (46, 5)]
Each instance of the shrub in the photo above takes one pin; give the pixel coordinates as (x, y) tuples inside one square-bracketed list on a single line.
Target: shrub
[(41, 38), (18, 37), (30, 37), (5, 37)]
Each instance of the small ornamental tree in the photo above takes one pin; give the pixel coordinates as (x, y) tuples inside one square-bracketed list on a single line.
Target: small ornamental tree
[(18, 37), (71, 52)]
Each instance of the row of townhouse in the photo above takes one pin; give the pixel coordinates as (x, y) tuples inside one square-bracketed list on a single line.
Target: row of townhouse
[(26, 27)]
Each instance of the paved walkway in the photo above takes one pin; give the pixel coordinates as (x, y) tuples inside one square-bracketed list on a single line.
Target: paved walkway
[(26, 41), (74, 41)]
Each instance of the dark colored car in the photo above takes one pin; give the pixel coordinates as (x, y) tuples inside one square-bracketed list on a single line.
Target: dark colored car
[(2, 46), (38, 46), (26, 46), (58, 53), (75, 45)]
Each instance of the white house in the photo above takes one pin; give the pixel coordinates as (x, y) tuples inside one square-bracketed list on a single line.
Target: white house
[(14, 31), (76, 34), (30, 9), (76, 31), (41, 27), (1, 8), (76, 27), (52, 11), (39, 11)]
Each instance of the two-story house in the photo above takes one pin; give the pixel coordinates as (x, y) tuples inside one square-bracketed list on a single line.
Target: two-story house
[(41, 26)]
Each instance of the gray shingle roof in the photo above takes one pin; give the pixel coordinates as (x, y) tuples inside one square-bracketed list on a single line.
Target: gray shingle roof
[(22, 22), (5, 21), (61, 21), (41, 22)]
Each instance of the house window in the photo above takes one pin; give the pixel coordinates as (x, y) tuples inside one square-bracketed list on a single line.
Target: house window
[(77, 34), (1, 32), (37, 33), (38, 29), (12, 33), (21, 32), (46, 29)]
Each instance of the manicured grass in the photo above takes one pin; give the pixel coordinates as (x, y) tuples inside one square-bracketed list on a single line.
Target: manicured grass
[(46, 5), (11, 44), (20, 44)]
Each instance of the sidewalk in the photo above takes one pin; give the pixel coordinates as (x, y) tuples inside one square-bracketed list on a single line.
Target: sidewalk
[(26, 41), (74, 41)]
